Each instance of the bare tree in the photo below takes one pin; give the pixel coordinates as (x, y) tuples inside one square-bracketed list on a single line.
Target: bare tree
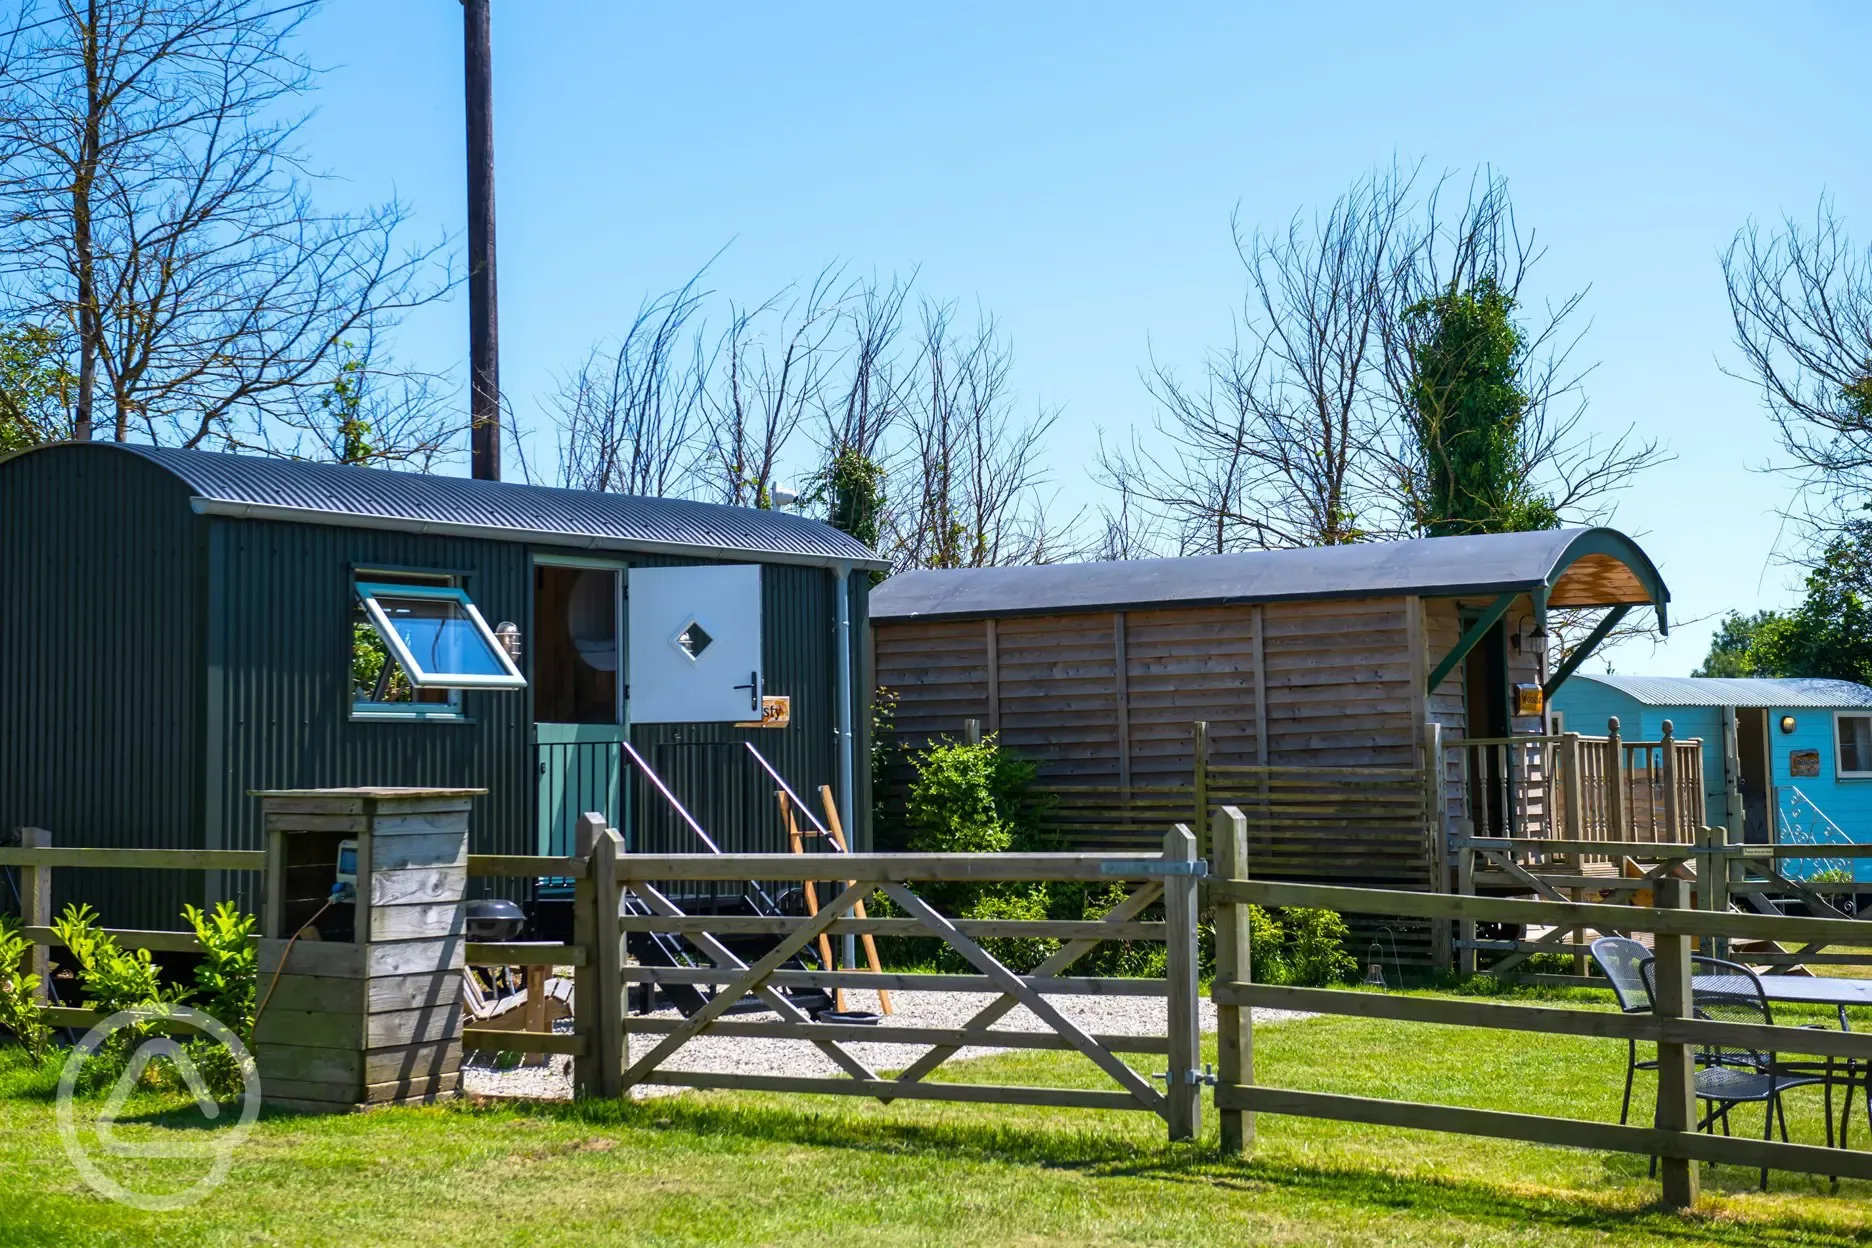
[(826, 381), (1275, 444), (977, 467), (371, 412), (1132, 526), (1802, 303), (770, 373), (1302, 431), (157, 205), (859, 415), (629, 417)]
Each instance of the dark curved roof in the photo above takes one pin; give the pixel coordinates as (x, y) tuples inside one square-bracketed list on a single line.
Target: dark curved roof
[(281, 489), (1493, 563)]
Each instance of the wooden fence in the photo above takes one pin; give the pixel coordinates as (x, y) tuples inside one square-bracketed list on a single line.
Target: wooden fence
[(34, 860), (1672, 926), (1720, 876), (600, 1041)]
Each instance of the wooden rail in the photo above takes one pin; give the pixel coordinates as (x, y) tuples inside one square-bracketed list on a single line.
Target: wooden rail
[(35, 858), (1672, 1027)]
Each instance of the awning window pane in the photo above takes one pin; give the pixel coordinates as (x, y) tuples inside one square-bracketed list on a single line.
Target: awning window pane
[(1855, 743), (438, 638)]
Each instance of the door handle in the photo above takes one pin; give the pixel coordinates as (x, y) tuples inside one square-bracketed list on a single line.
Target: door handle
[(753, 686)]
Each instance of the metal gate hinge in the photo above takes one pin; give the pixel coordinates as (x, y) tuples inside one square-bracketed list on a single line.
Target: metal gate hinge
[(1201, 1078)]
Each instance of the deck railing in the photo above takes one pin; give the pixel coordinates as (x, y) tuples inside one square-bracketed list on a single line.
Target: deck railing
[(1567, 786)]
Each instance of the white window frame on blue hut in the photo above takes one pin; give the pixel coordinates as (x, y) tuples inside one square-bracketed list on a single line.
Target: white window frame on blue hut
[(1840, 770), (491, 668)]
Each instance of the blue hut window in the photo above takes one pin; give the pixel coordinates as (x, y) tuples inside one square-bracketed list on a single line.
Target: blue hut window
[(1855, 745), (416, 643)]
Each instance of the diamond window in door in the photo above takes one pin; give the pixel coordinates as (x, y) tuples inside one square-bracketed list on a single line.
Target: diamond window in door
[(693, 640), (695, 644)]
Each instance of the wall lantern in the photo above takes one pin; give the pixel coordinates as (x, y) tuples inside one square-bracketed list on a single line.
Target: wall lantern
[(1787, 723), (508, 634)]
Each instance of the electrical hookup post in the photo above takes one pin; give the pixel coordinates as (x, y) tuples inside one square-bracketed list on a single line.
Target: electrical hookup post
[(361, 963)]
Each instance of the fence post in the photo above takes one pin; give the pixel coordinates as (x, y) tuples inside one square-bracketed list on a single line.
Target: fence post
[(1182, 1086), (1234, 1023), (1465, 929), (598, 989), (1615, 783), (1676, 1095), (1437, 826), (1199, 737), (1713, 881), (1673, 804), (36, 909), (1572, 788)]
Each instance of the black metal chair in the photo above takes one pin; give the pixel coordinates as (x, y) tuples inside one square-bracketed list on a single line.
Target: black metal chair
[(1726, 1075), (1619, 959)]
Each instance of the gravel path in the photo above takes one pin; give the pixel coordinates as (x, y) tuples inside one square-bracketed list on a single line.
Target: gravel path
[(1135, 1016)]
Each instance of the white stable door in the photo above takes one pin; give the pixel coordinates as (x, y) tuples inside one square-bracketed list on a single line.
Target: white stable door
[(695, 645)]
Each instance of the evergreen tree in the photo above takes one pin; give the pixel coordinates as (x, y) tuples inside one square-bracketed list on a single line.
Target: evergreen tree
[(1467, 415)]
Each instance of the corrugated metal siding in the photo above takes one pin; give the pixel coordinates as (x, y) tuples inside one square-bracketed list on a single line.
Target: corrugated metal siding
[(159, 666), (282, 710), (101, 626)]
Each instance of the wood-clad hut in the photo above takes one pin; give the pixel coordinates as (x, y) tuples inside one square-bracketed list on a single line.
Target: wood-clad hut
[(1315, 672)]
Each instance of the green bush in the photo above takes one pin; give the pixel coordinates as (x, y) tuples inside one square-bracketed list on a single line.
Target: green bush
[(224, 978), (113, 979), (971, 799), (1318, 955), (1267, 948), (1014, 901), (20, 1010)]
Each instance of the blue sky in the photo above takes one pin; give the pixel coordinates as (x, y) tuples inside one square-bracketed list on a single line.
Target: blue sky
[(1073, 169)]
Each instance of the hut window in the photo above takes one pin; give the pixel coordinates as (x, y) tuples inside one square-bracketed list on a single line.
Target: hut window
[(1855, 745), (416, 644)]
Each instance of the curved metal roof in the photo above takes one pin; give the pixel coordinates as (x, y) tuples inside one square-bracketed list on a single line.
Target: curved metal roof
[(1570, 567), (257, 487), (1737, 691)]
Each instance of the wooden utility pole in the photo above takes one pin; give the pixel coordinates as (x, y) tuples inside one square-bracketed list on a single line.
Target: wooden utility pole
[(483, 305)]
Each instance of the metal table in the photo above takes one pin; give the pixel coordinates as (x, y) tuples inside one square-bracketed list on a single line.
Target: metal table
[(1817, 990), (1840, 994)]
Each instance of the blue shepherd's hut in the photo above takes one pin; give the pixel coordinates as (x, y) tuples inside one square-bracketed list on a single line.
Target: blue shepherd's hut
[(1783, 760)]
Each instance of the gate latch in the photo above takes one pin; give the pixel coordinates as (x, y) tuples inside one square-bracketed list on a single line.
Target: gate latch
[(1201, 1078)]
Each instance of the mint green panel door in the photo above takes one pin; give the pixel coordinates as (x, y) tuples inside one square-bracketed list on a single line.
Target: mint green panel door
[(581, 768), (578, 711)]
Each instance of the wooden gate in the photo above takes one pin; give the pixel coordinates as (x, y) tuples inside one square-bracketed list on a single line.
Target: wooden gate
[(772, 977)]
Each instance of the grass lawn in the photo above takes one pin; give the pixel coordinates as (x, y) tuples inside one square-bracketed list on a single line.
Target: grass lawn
[(723, 1168)]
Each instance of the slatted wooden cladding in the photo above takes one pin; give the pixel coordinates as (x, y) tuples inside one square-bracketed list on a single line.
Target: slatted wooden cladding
[(1314, 714), (1110, 697)]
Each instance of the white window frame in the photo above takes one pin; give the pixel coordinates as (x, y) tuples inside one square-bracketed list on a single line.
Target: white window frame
[(1839, 755), (368, 593)]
